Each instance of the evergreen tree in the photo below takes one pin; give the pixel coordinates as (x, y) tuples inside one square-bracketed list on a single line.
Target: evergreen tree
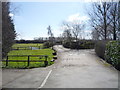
[(8, 30)]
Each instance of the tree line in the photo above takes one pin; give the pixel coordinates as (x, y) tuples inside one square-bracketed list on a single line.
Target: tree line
[(105, 20)]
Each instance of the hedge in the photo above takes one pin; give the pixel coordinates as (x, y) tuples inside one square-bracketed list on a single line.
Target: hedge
[(100, 47), (66, 44), (82, 44), (47, 44), (112, 53)]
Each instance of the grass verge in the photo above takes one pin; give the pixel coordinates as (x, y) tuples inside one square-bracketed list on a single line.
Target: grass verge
[(47, 51)]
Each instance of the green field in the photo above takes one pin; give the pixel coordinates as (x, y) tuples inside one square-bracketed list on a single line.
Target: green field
[(47, 51), (23, 46)]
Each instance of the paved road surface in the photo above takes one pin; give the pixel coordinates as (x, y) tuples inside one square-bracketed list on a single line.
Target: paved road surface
[(73, 69)]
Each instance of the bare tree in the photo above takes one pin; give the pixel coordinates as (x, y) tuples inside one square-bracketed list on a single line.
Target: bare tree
[(50, 34), (50, 31), (76, 29), (114, 19), (73, 30), (100, 17), (67, 35), (95, 35), (105, 20), (118, 34)]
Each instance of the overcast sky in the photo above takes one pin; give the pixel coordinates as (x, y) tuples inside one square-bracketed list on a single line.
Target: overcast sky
[(33, 18)]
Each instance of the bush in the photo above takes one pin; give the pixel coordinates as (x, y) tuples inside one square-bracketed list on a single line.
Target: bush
[(112, 53), (82, 44), (66, 44), (100, 47), (74, 45), (47, 44), (86, 44)]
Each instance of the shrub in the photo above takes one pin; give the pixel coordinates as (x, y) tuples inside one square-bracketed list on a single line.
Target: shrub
[(89, 44), (74, 45), (82, 44), (47, 44), (66, 44), (86, 44), (100, 47), (112, 53)]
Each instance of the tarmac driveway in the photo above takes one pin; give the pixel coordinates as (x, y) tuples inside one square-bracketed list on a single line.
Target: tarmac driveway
[(81, 69), (72, 69)]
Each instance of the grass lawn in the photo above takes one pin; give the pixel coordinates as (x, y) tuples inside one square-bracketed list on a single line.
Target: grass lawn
[(47, 51), (22, 46)]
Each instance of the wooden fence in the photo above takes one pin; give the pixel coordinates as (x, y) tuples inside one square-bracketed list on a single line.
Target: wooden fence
[(28, 59)]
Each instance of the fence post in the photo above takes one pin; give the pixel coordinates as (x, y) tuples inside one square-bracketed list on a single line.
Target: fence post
[(7, 61), (28, 60), (46, 62)]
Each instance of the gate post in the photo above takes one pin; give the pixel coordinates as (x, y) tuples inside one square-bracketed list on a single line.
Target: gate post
[(46, 62), (28, 60), (7, 61)]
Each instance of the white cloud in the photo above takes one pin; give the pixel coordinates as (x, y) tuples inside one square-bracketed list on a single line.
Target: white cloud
[(77, 18), (64, 27), (11, 14), (101, 0), (73, 17), (84, 18)]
